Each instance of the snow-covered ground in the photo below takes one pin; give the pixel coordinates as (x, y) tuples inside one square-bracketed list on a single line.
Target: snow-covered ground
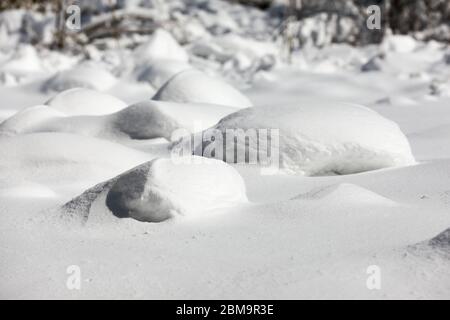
[(364, 186)]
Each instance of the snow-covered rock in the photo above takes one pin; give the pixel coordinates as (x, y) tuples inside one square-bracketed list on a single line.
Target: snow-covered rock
[(87, 75), (144, 120), (195, 86), (316, 138), (160, 71), (80, 101), (29, 120), (161, 46), (161, 189)]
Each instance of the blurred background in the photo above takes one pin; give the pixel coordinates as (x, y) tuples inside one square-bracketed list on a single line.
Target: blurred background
[(236, 39)]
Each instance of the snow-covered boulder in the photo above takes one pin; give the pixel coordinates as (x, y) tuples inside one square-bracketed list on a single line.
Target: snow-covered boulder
[(160, 71), (87, 75), (29, 120), (144, 120), (315, 138), (162, 188), (195, 86), (80, 101), (161, 46)]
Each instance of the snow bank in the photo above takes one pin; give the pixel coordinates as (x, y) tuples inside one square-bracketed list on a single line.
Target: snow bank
[(80, 101), (87, 75), (317, 138), (162, 189), (161, 46), (195, 86), (145, 120)]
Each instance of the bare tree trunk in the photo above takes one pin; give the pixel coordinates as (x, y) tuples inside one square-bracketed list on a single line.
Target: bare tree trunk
[(59, 24)]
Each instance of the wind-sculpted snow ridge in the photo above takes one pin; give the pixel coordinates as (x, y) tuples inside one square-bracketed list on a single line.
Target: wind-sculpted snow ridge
[(313, 138), (195, 86), (87, 75), (346, 193), (144, 120), (162, 189), (81, 101)]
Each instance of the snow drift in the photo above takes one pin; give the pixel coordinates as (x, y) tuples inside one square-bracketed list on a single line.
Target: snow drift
[(346, 193), (196, 86), (161, 189), (317, 138)]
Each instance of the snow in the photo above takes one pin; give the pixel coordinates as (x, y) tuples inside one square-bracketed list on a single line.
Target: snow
[(161, 46), (144, 120), (317, 138), (163, 189), (348, 193), (160, 71), (235, 233), (195, 86), (80, 101), (86, 75)]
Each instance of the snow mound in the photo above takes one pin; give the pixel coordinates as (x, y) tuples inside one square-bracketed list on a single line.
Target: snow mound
[(144, 120), (161, 46), (160, 71), (195, 86), (29, 120), (80, 101), (315, 138), (161, 189), (442, 240), (87, 75), (348, 193)]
